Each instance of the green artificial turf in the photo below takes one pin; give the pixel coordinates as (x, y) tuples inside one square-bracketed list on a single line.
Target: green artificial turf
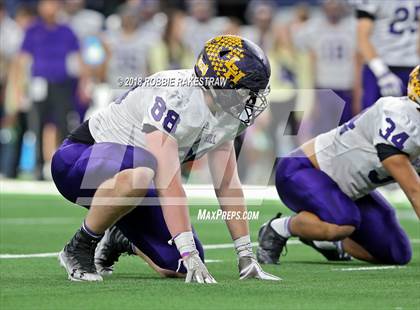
[(43, 224)]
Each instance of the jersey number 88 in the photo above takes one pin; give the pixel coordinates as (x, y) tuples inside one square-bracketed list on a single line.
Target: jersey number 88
[(171, 119)]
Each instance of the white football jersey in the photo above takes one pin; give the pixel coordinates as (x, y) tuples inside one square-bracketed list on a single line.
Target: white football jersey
[(129, 56), (348, 154), (180, 112), (334, 47), (395, 33)]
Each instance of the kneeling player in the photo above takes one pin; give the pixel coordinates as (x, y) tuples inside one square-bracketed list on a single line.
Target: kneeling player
[(110, 163), (330, 183)]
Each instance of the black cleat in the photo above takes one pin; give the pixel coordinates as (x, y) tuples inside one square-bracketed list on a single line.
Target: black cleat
[(334, 254), (270, 244), (108, 251), (77, 258)]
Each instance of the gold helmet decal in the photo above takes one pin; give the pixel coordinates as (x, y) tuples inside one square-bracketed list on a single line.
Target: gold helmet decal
[(225, 66), (414, 85), (202, 66)]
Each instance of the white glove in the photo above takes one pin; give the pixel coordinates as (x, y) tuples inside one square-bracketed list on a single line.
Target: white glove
[(390, 85), (388, 82), (248, 266), (196, 270)]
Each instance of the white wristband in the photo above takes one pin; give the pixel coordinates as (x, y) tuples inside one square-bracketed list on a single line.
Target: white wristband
[(378, 67), (243, 246), (185, 243)]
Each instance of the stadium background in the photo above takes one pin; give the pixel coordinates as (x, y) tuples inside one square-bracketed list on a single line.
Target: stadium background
[(119, 40), (157, 35)]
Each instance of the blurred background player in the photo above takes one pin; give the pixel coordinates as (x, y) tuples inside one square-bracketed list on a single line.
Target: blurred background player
[(260, 15), (16, 102), (11, 36), (202, 24), (51, 50), (291, 74), (84, 22), (88, 26), (331, 42), (387, 39), (128, 50), (331, 181), (171, 52)]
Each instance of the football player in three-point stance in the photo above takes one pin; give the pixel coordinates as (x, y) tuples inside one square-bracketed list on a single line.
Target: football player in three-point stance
[(124, 165), (330, 183)]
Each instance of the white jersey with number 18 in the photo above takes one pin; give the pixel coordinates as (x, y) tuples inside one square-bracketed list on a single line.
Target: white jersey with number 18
[(348, 153)]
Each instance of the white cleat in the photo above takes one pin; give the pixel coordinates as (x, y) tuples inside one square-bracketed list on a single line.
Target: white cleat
[(75, 274), (77, 258)]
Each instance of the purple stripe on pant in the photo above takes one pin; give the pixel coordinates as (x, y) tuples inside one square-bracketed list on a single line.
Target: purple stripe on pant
[(371, 91), (302, 187), (78, 169)]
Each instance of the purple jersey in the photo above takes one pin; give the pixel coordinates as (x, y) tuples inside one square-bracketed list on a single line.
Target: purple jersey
[(49, 47)]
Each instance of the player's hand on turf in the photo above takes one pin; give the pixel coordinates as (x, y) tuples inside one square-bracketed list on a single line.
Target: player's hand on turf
[(390, 85), (249, 268), (196, 270)]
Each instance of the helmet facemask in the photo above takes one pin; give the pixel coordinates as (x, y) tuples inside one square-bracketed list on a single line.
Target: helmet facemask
[(242, 104)]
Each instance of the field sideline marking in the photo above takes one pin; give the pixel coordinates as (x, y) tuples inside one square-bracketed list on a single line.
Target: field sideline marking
[(54, 254), (39, 220), (206, 247), (368, 268), (46, 255), (35, 255), (211, 261)]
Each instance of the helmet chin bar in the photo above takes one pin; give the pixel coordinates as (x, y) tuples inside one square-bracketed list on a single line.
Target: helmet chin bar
[(242, 104)]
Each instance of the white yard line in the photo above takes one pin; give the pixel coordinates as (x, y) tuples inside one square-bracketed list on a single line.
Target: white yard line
[(46, 255), (39, 220), (206, 247), (210, 261), (230, 245), (369, 268), (35, 255)]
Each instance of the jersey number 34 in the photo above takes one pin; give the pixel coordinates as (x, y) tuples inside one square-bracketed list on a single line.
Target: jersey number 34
[(397, 139)]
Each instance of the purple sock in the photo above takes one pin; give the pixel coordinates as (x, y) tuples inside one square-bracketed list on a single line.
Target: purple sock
[(87, 230)]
